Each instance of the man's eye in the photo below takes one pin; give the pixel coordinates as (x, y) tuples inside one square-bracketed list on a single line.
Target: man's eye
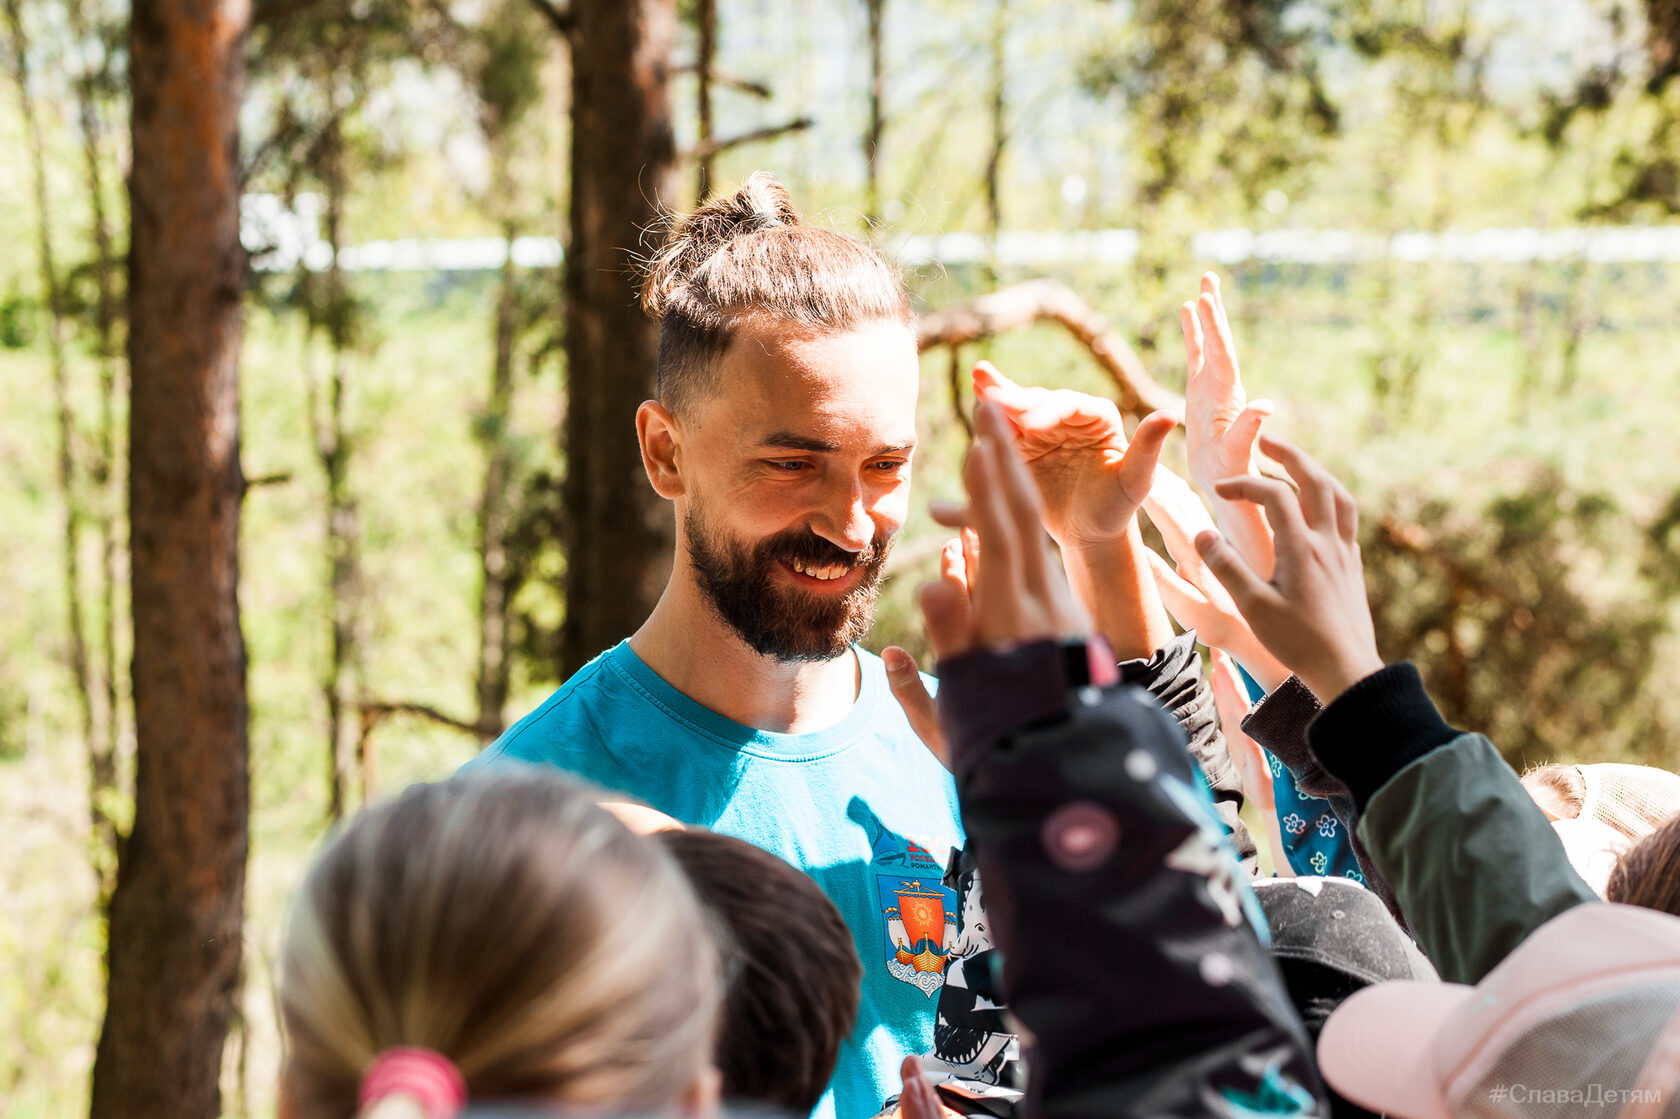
[(789, 466), (890, 466)]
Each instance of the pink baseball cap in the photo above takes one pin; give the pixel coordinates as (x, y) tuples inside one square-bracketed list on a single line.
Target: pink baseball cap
[(1582, 1019)]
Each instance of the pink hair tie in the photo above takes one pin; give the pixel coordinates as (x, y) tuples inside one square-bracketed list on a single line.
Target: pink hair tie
[(426, 1075)]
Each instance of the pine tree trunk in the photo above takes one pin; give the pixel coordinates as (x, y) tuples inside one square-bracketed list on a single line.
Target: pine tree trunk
[(177, 913), (618, 533), (496, 586), (103, 471)]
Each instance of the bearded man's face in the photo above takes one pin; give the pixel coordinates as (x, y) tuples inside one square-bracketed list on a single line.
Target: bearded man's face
[(795, 480), (747, 586)]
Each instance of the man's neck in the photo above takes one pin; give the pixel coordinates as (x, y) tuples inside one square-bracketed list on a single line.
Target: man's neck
[(701, 656)]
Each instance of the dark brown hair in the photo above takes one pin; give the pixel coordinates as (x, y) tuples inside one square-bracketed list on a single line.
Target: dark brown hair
[(791, 971), (508, 922), (745, 255), (1649, 874)]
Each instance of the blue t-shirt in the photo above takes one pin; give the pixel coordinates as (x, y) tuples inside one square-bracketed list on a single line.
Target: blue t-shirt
[(862, 807), (1313, 837)]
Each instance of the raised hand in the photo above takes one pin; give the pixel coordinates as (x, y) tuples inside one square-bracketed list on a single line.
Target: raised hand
[(1092, 479), (1019, 592), (1220, 422), (1312, 613), (1191, 593), (903, 676)]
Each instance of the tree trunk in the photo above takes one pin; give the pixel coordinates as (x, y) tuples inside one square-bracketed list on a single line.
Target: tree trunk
[(998, 110), (77, 651), (494, 639), (876, 13), (340, 684), (618, 533), (177, 914), (705, 14), (103, 470)]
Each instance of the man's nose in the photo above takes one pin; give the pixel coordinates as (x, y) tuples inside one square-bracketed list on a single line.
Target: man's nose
[(845, 520)]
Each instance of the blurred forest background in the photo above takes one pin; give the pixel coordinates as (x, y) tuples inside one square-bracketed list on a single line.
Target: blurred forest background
[(1448, 235)]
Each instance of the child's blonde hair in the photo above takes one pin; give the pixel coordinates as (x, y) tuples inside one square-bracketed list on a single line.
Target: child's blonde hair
[(509, 923)]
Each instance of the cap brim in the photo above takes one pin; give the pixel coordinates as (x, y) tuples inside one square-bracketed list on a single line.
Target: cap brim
[(1375, 1048)]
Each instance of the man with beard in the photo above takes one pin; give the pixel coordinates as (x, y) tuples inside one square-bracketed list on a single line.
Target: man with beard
[(783, 437)]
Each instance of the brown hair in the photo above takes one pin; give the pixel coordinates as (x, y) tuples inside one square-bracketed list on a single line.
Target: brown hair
[(747, 254), (792, 971), (506, 921), (1649, 874)]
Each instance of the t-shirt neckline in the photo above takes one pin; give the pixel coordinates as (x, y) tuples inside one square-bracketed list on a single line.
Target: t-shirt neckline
[(808, 746)]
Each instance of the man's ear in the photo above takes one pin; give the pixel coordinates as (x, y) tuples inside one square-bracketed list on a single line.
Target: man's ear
[(659, 434)]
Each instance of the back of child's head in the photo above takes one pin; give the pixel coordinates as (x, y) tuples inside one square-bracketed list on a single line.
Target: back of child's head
[(1649, 874), (791, 969), (503, 921)]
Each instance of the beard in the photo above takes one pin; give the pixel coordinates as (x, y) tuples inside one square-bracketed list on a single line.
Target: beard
[(776, 620)]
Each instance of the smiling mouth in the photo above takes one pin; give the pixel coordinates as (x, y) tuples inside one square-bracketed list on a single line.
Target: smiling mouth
[(824, 576)]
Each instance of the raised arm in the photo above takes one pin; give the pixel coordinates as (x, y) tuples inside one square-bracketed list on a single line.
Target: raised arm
[(1093, 481), (1472, 860), (1221, 423), (1123, 920)]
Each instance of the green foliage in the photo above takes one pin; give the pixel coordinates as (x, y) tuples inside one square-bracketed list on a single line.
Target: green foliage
[(16, 326), (1524, 616)]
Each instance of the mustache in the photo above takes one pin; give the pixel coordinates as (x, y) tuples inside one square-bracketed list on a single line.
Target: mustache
[(807, 548)]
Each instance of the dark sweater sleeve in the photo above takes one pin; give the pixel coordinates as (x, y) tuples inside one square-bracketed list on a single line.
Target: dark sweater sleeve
[(1174, 676), (1279, 724), (1130, 956)]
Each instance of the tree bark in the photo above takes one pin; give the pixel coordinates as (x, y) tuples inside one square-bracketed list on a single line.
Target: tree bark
[(876, 13), (177, 913), (618, 533), (333, 447), (705, 14), (494, 520)]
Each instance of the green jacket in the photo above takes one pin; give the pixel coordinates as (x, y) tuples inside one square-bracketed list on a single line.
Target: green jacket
[(1473, 861), (1471, 857)]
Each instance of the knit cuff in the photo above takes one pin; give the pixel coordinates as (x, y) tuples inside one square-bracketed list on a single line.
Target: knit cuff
[(1279, 722), (1376, 728)]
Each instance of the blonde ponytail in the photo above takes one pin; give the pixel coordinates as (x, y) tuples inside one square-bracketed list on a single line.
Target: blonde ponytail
[(505, 921)]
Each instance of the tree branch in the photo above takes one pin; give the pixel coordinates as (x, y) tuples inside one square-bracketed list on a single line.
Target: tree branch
[(558, 15), (375, 711), (1022, 305), (713, 147), (733, 81), (268, 480)]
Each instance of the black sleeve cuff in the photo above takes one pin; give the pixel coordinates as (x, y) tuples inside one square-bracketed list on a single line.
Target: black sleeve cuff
[(986, 693), (1377, 728)]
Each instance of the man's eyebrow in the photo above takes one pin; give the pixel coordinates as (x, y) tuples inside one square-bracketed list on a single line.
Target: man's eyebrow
[(791, 441)]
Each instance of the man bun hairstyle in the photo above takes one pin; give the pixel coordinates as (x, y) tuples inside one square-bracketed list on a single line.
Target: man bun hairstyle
[(748, 256)]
